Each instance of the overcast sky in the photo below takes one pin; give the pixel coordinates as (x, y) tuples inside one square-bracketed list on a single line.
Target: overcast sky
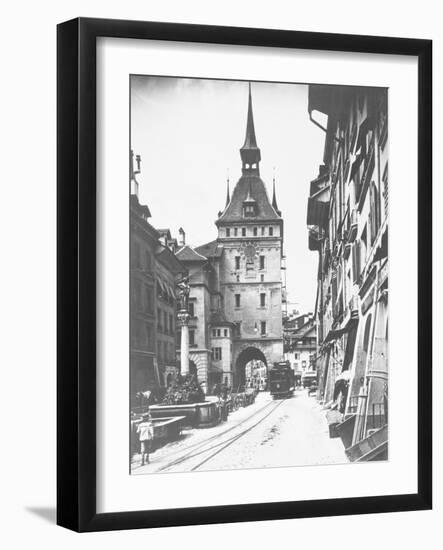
[(189, 132)]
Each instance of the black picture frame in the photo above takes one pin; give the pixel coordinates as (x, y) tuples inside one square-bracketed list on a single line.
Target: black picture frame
[(76, 280)]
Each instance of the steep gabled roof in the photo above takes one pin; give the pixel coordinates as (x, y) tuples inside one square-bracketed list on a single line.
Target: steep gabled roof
[(234, 211), (210, 250), (165, 256), (188, 254)]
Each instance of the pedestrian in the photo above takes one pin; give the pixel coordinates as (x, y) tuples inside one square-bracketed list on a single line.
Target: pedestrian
[(146, 435)]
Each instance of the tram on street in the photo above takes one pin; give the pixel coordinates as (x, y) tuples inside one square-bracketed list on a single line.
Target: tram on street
[(281, 380)]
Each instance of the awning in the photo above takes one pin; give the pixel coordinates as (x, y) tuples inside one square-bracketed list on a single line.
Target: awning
[(333, 334)]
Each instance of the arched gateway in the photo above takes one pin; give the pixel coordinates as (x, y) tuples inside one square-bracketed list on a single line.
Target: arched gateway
[(245, 356)]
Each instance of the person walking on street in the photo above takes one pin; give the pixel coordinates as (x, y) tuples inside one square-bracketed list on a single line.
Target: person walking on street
[(146, 435)]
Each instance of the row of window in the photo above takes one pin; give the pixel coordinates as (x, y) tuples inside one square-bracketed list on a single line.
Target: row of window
[(139, 260), (142, 301), (262, 263), (217, 332), (142, 338), (241, 231), (165, 322), (237, 299), (143, 296)]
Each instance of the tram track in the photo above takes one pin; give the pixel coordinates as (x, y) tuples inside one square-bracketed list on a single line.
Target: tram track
[(213, 447)]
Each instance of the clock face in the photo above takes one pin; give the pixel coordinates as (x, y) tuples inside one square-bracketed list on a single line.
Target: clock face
[(250, 252)]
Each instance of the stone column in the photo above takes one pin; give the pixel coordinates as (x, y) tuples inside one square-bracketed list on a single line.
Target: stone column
[(183, 317)]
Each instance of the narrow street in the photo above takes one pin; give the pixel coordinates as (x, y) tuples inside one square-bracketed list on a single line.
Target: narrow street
[(269, 433)]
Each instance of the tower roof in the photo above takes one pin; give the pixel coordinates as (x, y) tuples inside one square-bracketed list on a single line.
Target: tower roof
[(274, 199), (250, 139), (250, 153), (249, 188), (249, 199)]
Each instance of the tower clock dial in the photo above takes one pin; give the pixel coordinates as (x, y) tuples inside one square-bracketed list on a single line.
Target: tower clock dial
[(249, 251)]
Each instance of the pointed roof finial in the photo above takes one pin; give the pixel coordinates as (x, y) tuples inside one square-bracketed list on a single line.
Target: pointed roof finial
[(228, 197), (250, 139), (274, 198), (250, 153)]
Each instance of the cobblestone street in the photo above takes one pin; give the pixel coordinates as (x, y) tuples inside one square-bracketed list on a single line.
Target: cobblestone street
[(269, 433)]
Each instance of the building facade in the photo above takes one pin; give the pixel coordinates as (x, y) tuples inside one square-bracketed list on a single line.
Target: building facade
[(236, 282), (300, 343), (154, 269), (348, 227)]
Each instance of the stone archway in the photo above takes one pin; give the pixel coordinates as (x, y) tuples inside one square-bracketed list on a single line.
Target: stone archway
[(247, 354), (198, 364)]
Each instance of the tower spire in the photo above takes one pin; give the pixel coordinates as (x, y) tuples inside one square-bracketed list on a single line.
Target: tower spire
[(250, 153)]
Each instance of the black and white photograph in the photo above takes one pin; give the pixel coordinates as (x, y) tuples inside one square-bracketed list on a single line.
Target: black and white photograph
[(209, 332), (258, 274)]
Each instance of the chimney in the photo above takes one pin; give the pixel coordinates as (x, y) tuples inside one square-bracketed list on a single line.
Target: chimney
[(182, 238)]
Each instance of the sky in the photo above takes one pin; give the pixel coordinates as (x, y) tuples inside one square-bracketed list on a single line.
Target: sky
[(188, 133)]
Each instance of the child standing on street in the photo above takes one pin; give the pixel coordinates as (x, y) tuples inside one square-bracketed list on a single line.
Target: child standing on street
[(146, 435)]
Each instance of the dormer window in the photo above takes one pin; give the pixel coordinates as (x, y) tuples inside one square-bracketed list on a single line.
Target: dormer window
[(249, 210)]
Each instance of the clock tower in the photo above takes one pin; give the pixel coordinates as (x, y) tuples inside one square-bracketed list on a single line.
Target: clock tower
[(250, 232)]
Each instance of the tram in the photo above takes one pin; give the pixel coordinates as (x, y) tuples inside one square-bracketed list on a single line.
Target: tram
[(281, 380)]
